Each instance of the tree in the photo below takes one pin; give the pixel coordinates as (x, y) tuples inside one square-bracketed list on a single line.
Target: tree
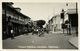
[(40, 23)]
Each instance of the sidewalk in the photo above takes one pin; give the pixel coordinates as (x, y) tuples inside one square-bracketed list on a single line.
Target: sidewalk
[(74, 41), (56, 32)]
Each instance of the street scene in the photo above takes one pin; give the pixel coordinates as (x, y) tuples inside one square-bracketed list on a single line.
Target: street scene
[(39, 25)]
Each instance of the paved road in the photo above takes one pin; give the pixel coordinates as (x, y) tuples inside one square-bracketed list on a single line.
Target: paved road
[(51, 40)]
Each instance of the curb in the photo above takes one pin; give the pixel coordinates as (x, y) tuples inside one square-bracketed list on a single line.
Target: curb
[(74, 41)]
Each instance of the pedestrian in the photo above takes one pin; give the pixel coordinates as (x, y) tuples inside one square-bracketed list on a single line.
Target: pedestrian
[(12, 34), (10, 28)]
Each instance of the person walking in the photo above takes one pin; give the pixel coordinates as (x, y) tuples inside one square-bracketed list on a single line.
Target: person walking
[(10, 28)]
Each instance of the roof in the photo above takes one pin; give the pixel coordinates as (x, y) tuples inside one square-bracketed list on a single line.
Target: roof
[(11, 7), (9, 3), (71, 11)]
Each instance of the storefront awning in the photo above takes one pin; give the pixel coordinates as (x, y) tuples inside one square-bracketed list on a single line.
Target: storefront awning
[(71, 11)]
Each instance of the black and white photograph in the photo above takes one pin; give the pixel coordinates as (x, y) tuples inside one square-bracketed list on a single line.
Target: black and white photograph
[(40, 25)]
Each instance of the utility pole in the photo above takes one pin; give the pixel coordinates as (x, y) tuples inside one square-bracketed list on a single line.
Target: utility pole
[(76, 8), (69, 26), (77, 18), (62, 15)]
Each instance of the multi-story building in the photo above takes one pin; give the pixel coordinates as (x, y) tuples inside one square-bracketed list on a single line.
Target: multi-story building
[(72, 17), (12, 17), (69, 19), (55, 23)]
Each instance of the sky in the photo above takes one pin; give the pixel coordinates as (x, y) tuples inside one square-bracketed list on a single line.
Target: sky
[(43, 11)]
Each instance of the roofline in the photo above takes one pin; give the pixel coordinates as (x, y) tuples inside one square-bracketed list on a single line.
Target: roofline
[(16, 10)]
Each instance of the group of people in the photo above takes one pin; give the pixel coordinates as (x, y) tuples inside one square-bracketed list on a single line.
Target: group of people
[(40, 31)]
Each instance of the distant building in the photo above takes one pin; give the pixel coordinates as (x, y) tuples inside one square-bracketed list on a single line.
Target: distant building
[(35, 24), (13, 16), (55, 23)]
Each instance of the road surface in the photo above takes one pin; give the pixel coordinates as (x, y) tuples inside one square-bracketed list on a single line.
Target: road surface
[(51, 40)]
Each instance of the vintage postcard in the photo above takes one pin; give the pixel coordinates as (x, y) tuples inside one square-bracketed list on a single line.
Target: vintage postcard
[(40, 25)]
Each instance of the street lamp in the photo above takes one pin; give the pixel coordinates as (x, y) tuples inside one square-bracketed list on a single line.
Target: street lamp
[(69, 22)]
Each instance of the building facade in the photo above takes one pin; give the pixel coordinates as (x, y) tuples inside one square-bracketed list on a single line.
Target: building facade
[(70, 21), (73, 20), (55, 23), (65, 22), (14, 19)]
